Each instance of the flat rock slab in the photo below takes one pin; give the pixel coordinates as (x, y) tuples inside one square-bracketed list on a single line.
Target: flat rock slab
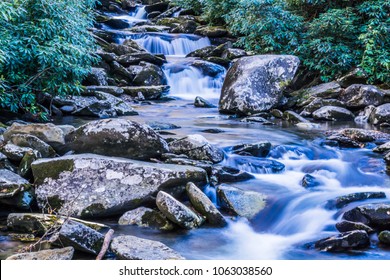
[(133, 248), (53, 255), (91, 185)]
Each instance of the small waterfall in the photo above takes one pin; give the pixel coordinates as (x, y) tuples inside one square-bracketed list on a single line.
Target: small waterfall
[(140, 13)]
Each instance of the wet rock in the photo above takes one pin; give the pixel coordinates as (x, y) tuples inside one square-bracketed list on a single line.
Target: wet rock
[(48, 133), (37, 224), (91, 185), (197, 147), (341, 201), (204, 206), (307, 126), (345, 226), (97, 77), (309, 181), (203, 52), (259, 149), (384, 237), (345, 241), (247, 88), (33, 142), (326, 91), (212, 31), (14, 153), (333, 113), (117, 137), (81, 237), (177, 212), (52, 255), (381, 114), (260, 120), (356, 137), (356, 76), (293, 117), (117, 23), (373, 215), (256, 165), (208, 68), (116, 91), (147, 92), (135, 58), (218, 60), (146, 217), (318, 103), (213, 130), (232, 53), (226, 174), (242, 203), (359, 96), (169, 13), (157, 126), (150, 75), (200, 102), (384, 148), (133, 248), (179, 24)]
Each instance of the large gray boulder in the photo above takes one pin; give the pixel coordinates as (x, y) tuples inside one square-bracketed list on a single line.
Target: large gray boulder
[(91, 185), (380, 114), (129, 247), (177, 212), (359, 96), (53, 255), (117, 137), (255, 84), (150, 75)]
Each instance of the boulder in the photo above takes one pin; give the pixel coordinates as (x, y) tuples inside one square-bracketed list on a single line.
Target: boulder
[(97, 77), (91, 185), (37, 224), (33, 142), (177, 212), (197, 147), (345, 241), (208, 68), (232, 53), (203, 52), (257, 119), (333, 113), (384, 237), (226, 174), (373, 215), (239, 202), (146, 92), (255, 84), (212, 31), (81, 237), (48, 133), (356, 137), (356, 76), (146, 217), (259, 149), (359, 96), (256, 165), (325, 91), (345, 226), (293, 117), (384, 148), (14, 153), (204, 205), (117, 137), (158, 126), (133, 248), (14, 190), (200, 102), (318, 103), (381, 114), (52, 255), (150, 75), (135, 58), (341, 201)]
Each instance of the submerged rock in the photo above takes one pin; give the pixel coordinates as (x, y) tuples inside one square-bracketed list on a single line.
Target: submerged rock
[(200, 102), (373, 215), (254, 84), (146, 217), (204, 205), (52, 255), (129, 247), (310, 181), (177, 212), (197, 147), (333, 113), (91, 185), (259, 149), (345, 241), (242, 203), (341, 201), (345, 226), (256, 165), (117, 137)]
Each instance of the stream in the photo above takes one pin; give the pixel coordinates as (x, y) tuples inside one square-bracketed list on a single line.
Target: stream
[(294, 215)]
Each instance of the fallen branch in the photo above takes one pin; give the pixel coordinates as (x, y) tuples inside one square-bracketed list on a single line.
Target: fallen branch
[(106, 244)]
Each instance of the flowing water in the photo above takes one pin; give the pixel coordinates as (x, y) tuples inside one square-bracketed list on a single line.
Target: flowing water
[(294, 215)]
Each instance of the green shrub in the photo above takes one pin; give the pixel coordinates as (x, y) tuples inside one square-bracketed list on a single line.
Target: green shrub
[(46, 48)]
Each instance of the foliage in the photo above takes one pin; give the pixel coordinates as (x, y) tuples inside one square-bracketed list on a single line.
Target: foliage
[(264, 26), (46, 48)]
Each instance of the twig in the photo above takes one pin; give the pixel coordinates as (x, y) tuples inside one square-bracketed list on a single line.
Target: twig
[(106, 244)]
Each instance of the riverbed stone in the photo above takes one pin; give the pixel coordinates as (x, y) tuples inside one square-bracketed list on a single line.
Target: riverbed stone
[(200, 102), (356, 76), (327, 91), (233, 53), (37, 224), (310, 181), (384, 237), (114, 90), (293, 117), (373, 215), (177, 212), (259, 149), (146, 217), (345, 241), (341, 201), (227, 174), (158, 126), (381, 114), (150, 75), (81, 237), (256, 165), (197, 147), (14, 153), (208, 68), (117, 137), (239, 202), (91, 185), (358, 96), (248, 89), (333, 113), (318, 103), (384, 148), (204, 205), (146, 92), (129, 247), (345, 226), (135, 58), (33, 142), (212, 31), (53, 255), (356, 137), (12, 186)]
